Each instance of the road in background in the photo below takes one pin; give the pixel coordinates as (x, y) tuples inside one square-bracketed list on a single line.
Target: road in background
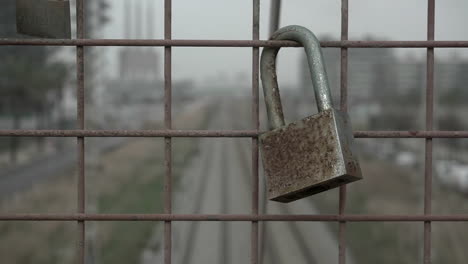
[(20, 178)]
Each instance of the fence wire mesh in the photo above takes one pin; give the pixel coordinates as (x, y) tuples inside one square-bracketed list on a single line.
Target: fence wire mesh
[(81, 216)]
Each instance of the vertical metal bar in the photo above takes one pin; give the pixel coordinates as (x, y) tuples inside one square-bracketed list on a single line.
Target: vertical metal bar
[(275, 12), (168, 125), (429, 126), (80, 34), (256, 126), (344, 58), (344, 108)]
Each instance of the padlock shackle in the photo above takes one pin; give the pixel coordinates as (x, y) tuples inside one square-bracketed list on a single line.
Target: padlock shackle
[(316, 68)]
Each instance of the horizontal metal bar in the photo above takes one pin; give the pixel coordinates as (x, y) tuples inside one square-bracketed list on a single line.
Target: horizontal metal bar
[(230, 43), (130, 133), (232, 217), (214, 133), (411, 134)]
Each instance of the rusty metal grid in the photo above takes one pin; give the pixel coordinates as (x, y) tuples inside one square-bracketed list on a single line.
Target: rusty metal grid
[(168, 133)]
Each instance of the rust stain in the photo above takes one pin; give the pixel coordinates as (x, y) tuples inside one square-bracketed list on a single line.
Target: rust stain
[(308, 156)]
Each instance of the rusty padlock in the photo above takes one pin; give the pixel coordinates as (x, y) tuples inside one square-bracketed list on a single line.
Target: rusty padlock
[(311, 155), (44, 18)]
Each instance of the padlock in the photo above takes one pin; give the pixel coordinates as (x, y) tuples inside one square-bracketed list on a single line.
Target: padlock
[(44, 18), (316, 153)]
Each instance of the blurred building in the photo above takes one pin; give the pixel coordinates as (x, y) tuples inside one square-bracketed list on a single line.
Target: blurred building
[(451, 91), (388, 92), (371, 75), (134, 96), (134, 99)]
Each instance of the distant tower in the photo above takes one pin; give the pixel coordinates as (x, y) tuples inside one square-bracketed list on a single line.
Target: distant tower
[(151, 57), (149, 18), (138, 20), (138, 63), (127, 19), (124, 55)]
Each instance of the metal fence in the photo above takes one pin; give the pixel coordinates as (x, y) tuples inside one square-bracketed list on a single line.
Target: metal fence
[(81, 217)]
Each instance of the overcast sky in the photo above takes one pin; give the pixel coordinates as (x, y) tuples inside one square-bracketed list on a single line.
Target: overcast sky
[(232, 19)]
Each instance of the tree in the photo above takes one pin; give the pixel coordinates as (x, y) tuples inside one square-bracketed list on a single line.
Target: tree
[(28, 76)]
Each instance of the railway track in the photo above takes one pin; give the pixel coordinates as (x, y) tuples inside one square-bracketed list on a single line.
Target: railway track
[(273, 248), (218, 182)]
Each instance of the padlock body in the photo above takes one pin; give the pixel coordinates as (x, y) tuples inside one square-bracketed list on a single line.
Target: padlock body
[(44, 18), (309, 156)]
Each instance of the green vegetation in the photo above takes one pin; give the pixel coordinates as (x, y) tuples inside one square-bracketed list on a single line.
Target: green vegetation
[(125, 240)]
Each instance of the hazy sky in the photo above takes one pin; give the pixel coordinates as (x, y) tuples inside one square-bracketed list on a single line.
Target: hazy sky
[(232, 19)]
